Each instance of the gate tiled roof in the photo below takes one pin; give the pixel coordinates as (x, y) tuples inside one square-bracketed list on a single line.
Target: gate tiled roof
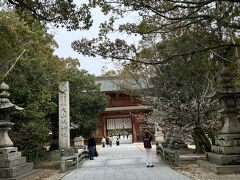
[(115, 83)]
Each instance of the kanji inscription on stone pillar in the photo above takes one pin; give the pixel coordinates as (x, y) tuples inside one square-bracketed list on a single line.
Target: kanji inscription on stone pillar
[(64, 111)]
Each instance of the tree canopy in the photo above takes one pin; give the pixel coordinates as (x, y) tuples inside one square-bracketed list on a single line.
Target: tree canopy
[(166, 19), (160, 19), (183, 41), (60, 12), (33, 81), (179, 92)]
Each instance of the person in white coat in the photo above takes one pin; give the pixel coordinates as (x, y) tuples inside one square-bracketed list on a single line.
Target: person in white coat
[(147, 145)]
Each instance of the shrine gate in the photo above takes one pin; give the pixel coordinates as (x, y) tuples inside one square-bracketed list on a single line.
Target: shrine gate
[(124, 114)]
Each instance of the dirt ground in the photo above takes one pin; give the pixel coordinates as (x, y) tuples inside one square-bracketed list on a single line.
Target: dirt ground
[(195, 172), (46, 174)]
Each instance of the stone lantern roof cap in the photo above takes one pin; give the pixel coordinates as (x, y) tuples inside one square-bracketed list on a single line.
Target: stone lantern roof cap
[(227, 86), (226, 78), (5, 104), (8, 106), (232, 92), (226, 92), (4, 86)]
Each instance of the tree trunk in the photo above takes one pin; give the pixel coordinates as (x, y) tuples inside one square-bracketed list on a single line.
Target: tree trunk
[(201, 141), (211, 136), (199, 148)]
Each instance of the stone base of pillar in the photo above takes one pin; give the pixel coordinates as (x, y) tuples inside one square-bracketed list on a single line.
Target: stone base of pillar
[(226, 151), (12, 164), (223, 159), (218, 169), (81, 147)]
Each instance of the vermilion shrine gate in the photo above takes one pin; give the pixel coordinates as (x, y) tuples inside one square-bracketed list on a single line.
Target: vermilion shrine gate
[(122, 113)]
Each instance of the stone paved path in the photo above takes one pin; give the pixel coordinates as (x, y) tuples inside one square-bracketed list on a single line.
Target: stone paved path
[(124, 162)]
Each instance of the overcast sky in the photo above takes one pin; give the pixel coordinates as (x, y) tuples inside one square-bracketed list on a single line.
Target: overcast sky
[(65, 38)]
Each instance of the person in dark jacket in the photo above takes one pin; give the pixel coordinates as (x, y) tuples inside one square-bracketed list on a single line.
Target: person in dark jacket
[(147, 145), (117, 141), (91, 147), (107, 141)]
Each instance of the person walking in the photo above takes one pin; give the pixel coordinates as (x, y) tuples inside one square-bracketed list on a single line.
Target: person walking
[(117, 141), (91, 147), (107, 141), (110, 141), (103, 142), (147, 145)]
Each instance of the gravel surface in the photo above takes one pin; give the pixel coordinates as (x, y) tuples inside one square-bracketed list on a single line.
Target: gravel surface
[(47, 174), (195, 172)]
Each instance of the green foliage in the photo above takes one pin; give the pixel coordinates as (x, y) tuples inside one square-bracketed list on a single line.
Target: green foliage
[(34, 83), (86, 100), (30, 137), (165, 20), (32, 80), (64, 13), (181, 91), (178, 39)]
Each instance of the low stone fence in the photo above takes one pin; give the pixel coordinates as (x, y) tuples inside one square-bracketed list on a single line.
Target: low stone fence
[(172, 156), (72, 162), (176, 157), (169, 155), (160, 150)]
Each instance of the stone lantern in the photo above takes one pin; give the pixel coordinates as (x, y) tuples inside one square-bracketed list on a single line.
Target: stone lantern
[(79, 142), (226, 151), (12, 164)]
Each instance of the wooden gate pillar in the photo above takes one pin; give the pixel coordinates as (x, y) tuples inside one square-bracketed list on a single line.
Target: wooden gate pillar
[(104, 127), (134, 136)]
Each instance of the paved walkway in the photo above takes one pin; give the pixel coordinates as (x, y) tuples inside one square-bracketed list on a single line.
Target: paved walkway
[(124, 162)]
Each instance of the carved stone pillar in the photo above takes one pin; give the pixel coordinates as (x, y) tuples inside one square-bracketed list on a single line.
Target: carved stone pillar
[(64, 114)]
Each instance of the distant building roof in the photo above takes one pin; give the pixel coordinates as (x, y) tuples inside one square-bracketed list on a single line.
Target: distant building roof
[(116, 83), (141, 107)]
